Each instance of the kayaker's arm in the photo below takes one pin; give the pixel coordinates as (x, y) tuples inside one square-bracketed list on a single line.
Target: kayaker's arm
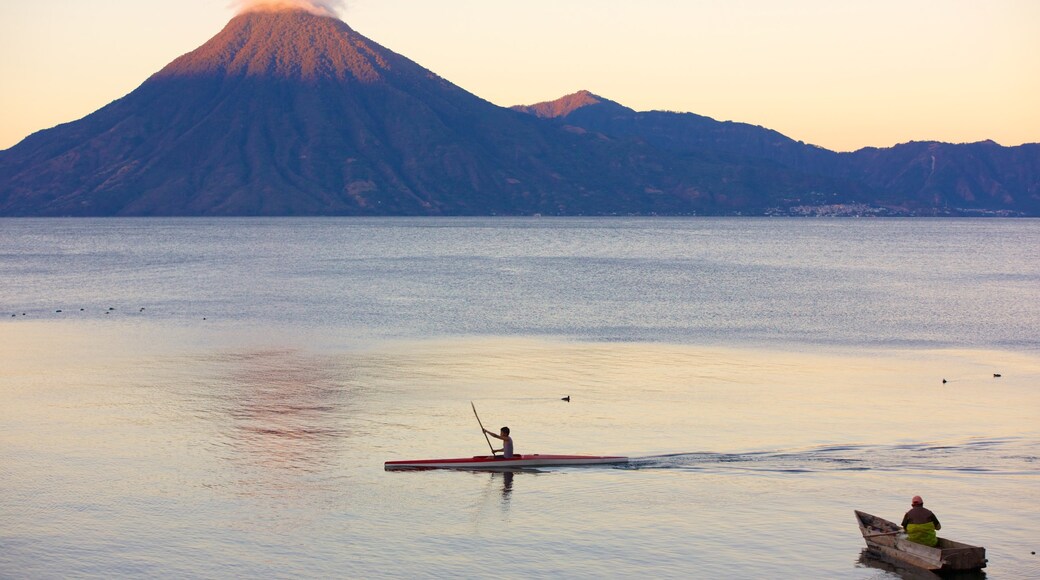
[(507, 442)]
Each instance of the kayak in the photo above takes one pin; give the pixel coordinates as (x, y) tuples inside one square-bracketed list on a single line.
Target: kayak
[(497, 462)]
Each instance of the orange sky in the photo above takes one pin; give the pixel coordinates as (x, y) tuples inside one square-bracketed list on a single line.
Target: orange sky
[(841, 74)]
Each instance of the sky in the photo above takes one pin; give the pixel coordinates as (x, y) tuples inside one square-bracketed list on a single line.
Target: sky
[(842, 74)]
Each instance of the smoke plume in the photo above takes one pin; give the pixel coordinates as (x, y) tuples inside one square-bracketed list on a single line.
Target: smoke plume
[(319, 7)]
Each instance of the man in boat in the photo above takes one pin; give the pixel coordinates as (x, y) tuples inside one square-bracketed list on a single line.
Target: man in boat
[(920, 523), (507, 442)]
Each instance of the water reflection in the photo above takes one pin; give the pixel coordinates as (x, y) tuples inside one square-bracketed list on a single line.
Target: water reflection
[(507, 486), (500, 485), (870, 559), (278, 410)]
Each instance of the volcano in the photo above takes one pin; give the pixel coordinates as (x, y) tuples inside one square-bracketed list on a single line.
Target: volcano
[(282, 113), (288, 112)]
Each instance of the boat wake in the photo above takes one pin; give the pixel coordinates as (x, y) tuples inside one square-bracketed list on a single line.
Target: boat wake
[(1002, 456)]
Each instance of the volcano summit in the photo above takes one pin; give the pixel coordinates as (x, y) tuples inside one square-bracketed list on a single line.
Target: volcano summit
[(289, 111)]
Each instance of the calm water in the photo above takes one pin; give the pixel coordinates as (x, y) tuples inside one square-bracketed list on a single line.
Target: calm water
[(216, 397)]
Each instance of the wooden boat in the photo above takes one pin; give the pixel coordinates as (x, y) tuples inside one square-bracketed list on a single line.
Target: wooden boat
[(887, 540), (482, 462)]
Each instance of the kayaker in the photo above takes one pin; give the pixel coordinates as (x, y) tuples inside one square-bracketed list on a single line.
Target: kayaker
[(507, 442), (920, 523)]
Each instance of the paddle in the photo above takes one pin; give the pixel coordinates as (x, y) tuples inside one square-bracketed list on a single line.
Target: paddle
[(482, 430)]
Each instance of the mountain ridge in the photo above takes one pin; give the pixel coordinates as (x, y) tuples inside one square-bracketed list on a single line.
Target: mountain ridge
[(294, 113), (568, 104), (913, 177)]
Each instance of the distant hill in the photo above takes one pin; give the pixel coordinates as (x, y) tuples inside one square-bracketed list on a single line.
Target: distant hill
[(293, 113), (973, 178), (921, 178)]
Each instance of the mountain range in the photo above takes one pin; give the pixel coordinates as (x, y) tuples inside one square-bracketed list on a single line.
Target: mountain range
[(294, 113), (917, 177)]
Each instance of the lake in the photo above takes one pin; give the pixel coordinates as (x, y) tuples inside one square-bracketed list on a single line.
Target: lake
[(216, 397)]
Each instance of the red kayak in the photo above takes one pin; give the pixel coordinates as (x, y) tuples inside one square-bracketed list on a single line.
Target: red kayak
[(497, 462)]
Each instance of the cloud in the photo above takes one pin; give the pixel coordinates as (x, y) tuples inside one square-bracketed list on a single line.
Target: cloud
[(320, 7)]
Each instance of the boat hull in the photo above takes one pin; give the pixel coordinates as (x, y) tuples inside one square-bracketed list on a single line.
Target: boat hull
[(518, 462), (883, 538)]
